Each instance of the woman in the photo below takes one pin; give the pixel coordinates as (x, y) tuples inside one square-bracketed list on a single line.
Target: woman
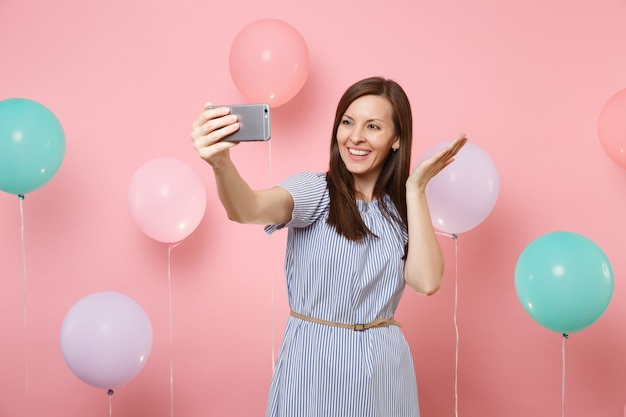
[(356, 236)]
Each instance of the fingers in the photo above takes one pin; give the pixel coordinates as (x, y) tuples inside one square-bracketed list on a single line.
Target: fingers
[(208, 130), (210, 113), (446, 156), (460, 139), (213, 125), (203, 117), (212, 153), (432, 166), (450, 151), (457, 144)]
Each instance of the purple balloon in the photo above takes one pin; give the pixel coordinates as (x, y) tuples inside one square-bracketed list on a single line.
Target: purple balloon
[(106, 338), (464, 193)]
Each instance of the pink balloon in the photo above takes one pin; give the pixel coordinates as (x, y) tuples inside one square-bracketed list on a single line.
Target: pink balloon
[(269, 61), (106, 339), (167, 199), (612, 128), (462, 195)]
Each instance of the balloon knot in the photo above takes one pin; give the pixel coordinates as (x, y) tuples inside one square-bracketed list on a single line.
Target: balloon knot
[(21, 196), (565, 336), (110, 392), (454, 236)]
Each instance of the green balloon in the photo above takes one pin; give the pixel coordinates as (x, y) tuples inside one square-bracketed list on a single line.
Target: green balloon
[(564, 281), (32, 145)]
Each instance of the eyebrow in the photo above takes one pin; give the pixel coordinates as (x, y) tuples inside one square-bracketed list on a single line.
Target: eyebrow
[(367, 121)]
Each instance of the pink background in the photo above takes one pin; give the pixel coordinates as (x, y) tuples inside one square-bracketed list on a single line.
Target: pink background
[(526, 80)]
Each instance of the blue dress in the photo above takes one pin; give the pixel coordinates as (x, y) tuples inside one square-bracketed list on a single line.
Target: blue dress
[(328, 371)]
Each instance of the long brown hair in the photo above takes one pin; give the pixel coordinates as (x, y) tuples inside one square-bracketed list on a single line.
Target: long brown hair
[(343, 212)]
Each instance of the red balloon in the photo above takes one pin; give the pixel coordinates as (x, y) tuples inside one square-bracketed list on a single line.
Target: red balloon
[(269, 61), (612, 128)]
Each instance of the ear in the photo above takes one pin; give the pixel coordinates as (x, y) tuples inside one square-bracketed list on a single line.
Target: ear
[(396, 144)]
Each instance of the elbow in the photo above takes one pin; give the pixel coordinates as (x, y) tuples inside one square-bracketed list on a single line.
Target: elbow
[(243, 219), (430, 290), (234, 218), (240, 220), (425, 283), (237, 216), (425, 288)]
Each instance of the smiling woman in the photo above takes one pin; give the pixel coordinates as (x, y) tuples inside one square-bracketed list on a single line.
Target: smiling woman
[(365, 137), (525, 79), (367, 221)]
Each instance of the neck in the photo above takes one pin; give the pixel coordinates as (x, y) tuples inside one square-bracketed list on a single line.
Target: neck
[(363, 190)]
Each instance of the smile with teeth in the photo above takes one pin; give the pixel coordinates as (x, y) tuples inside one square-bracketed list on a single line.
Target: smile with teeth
[(358, 152)]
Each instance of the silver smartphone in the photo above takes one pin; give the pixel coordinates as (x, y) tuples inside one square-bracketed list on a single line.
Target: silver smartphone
[(254, 122)]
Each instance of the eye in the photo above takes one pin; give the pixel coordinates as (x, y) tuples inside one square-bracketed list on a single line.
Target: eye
[(372, 126), (346, 122)]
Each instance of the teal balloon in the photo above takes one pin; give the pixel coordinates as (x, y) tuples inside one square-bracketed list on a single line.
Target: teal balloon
[(32, 145), (564, 281)]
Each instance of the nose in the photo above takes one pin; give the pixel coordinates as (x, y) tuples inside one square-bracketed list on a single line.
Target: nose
[(356, 135)]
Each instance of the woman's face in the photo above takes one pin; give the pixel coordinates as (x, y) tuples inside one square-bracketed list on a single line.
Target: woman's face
[(366, 135)]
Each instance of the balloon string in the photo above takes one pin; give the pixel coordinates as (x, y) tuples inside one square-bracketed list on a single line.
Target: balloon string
[(456, 327), (269, 174), (169, 283), (272, 302), (110, 394), (272, 319), (565, 336), (24, 294)]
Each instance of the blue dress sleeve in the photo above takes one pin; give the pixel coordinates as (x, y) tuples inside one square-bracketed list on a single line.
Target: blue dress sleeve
[(310, 198)]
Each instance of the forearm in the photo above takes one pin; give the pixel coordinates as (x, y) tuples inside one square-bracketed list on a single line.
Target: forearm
[(424, 263), (234, 192), (245, 205)]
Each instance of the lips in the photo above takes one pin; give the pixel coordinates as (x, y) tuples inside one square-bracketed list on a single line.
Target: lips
[(358, 152)]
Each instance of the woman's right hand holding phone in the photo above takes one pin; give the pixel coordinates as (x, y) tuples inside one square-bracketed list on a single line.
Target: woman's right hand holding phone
[(213, 125)]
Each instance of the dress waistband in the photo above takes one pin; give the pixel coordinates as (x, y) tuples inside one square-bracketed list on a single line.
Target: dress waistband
[(355, 327)]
